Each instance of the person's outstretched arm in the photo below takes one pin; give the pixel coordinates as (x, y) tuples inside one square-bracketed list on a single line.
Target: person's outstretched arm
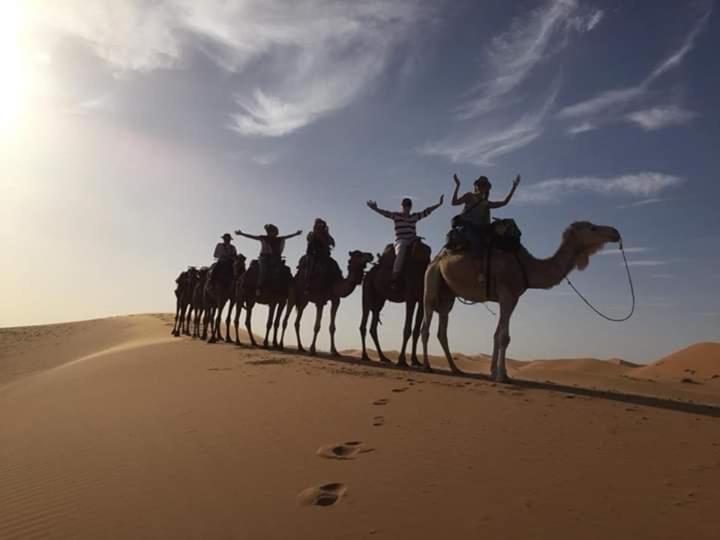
[(373, 206), (251, 236), (457, 201), (500, 204), (293, 235), (430, 209)]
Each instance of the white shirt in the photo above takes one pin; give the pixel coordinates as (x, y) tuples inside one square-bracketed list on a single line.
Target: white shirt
[(225, 251)]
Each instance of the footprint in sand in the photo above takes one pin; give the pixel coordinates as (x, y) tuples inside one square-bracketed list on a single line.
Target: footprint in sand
[(379, 421), (346, 450), (382, 401), (401, 389), (325, 495)]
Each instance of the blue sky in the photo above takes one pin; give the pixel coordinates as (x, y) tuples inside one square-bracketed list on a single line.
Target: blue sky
[(135, 133)]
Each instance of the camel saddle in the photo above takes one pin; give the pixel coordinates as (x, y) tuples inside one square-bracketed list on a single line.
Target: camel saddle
[(503, 234), (221, 271), (278, 277), (324, 271)]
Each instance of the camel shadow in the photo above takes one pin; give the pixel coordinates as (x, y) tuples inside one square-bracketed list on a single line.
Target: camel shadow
[(689, 407)]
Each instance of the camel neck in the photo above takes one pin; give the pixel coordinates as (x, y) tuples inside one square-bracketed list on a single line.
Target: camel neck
[(547, 273), (345, 286)]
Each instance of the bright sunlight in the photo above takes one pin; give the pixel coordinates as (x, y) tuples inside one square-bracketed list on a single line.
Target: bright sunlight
[(15, 79)]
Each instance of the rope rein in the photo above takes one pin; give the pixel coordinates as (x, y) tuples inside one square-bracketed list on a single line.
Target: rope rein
[(632, 293)]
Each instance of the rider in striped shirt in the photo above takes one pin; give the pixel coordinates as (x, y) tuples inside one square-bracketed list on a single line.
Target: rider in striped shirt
[(405, 232)]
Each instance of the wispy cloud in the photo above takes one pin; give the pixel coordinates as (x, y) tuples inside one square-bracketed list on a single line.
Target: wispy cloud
[(317, 55), (645, 202), (648, 262), (265, 159), (513, 55), (581, 128), (660, 117), (663, 276), (627, 250), (481, 146), (614, 102), (642, 184)]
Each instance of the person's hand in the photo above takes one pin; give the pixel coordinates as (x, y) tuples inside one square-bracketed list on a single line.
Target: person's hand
[(372, 204), (516, 181), (238, 232), (299, 232), (442, 198), (456, 179)]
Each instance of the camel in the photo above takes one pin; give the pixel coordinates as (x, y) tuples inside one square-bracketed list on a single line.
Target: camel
[(274, 295), (456, 274), (218, 291), (183, 306), (377, 290), (331, 287)]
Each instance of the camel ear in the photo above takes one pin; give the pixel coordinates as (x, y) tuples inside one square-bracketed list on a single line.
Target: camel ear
[(350, 253)]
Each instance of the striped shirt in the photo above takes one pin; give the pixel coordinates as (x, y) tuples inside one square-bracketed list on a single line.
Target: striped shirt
[(405, 223)]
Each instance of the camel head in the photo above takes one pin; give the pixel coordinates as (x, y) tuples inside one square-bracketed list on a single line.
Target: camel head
[(239, 264), (358, 261), (588, 239)]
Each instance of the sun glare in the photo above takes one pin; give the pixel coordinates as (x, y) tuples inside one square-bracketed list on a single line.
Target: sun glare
[(14, 85)]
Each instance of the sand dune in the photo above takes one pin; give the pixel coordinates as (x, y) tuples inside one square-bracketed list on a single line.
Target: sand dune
[(699, 362), (150, 438)]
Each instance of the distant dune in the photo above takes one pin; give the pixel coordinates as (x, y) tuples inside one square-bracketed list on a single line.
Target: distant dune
[(112, 429), (699, 362)]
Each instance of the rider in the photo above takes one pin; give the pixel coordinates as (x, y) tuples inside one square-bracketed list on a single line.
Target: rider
[(225, 252), (319, 244), (271, 249), (405, 233), (475, 217)]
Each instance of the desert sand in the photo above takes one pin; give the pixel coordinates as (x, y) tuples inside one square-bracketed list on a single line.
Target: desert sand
[(113, 429)]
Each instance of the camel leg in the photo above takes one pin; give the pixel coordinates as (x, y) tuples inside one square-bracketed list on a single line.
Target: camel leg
[(374, 335), (228, 339), (288, 310), (365, 313), (407, 331), (188, 320), (248, 322), (416, 334), (442, 338), (217, 334), (238, 309), (502, 338), (268, 324), (209, 316), (177, 318), (333, 314), (431, 303), (316, 329), (300, 309), (276, 325)]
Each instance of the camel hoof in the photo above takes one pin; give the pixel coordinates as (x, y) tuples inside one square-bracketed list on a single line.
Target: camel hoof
[(334, 353), (427, 369), (365, 358), (211, 340), (312, 352), (414, 362), (385, 360), (501, 378), (402, 364)]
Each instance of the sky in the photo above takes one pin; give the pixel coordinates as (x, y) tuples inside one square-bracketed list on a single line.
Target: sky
[(134, 133)]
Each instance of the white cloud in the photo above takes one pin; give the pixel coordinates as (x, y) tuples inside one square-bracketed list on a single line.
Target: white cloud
[(647, 263), (480, 147), (316, 56), (513, 55), (581, 128), (663, 276), (627, 250), (645, 202), (642, 184), (615, 101), (660, 117)]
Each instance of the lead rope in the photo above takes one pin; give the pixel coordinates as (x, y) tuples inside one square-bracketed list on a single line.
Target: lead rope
[(632, 292)]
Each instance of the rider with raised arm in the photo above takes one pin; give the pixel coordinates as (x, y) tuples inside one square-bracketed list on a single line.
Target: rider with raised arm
[(475, 217), (405, 230), (271, 249)]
